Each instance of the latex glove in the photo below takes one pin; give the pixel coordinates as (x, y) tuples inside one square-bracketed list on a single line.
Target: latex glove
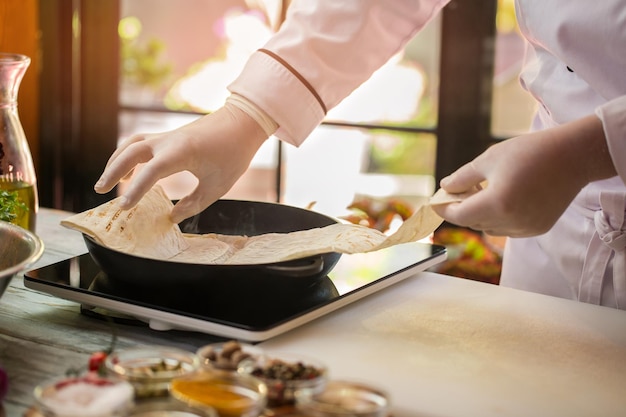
[(216, 148), (528, 181)]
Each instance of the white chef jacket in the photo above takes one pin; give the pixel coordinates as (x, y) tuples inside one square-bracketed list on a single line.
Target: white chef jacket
[(575, 66)]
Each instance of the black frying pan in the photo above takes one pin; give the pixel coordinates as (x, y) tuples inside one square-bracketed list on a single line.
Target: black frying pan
[(227, 217)]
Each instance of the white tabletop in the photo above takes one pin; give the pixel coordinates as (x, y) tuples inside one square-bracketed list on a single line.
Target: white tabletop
[(443, 346), (439, 345)]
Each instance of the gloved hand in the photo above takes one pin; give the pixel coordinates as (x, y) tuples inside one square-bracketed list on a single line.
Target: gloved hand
[(216, 148), (528, 181)]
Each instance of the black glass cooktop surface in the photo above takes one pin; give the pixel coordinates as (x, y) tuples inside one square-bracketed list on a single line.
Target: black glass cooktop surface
[(255, 311)]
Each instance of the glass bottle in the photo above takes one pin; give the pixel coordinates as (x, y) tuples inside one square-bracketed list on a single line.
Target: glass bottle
[(18, 183)]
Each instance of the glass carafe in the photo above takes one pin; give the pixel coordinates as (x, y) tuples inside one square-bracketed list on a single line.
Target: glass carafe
[(18, 183)]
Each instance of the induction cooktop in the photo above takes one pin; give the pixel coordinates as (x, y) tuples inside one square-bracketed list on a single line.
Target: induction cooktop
[(253, 314)]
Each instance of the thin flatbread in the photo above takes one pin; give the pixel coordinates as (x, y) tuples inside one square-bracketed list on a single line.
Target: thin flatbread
[(421, 224), (278, 247), (204, 249), (145, 230), (444, 197)]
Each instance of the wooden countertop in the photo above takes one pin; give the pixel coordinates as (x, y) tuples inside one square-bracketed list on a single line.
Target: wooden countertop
[(42, 336), (441, 346)]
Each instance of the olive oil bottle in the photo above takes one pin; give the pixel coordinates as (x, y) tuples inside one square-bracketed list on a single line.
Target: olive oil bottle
[(18, 183)]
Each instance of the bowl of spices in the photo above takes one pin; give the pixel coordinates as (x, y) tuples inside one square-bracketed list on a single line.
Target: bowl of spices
[(229, 393), (227, 355), (88, 395), (150, 369), (344, 399), (168, 407), (284, 374)]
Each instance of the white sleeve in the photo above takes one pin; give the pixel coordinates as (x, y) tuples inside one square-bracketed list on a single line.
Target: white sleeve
[(613, 116), (322, 52)]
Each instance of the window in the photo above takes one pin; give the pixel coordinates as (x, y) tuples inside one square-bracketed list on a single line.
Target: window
[(512, 108), (372, 145), (400, 149)]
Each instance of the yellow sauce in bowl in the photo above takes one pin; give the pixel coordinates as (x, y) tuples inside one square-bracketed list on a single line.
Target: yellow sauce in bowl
[(228, 393)]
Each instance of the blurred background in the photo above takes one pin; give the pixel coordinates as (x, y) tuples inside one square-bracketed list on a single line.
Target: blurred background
[(104, 70)]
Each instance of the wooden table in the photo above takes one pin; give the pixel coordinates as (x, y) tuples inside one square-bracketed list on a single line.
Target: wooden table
[(42, 336), (441, 346)]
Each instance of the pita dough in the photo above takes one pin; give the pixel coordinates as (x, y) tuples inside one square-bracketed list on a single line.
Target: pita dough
[(276, 247), (204, 249), (146, 231), (421, 224), (444, 197)]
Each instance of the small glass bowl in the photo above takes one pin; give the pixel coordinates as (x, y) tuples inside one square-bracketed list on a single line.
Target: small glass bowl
[(169, 407), (344, 399), (151, 369), (285, 374), (229, 393), (88, 395), (227, 355)]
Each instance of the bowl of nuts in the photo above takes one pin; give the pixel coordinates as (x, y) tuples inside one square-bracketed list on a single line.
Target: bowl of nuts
[(285, 374), (227, 355), (150, 369)]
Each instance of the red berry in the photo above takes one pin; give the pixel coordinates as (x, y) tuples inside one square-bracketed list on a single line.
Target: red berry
[(96, 361), (4, 384)]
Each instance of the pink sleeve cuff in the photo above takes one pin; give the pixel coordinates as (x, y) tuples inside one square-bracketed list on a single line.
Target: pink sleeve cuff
[(277, 91)]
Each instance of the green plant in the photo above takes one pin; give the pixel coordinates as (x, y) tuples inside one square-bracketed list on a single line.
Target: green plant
[(10, 206), (141, 63), (405, 152)]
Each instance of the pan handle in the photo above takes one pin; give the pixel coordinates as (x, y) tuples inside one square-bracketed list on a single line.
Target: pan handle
[(311, 266)]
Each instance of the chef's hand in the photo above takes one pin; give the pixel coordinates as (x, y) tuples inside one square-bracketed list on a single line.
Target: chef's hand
[(216, 148), (528, 181)]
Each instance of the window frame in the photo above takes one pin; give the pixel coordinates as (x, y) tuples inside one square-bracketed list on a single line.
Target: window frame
[(79, 95)]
